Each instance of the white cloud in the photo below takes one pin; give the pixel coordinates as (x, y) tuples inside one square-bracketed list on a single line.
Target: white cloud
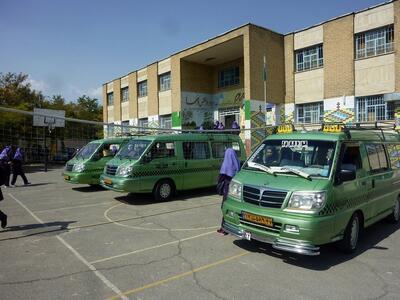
[(38, 85)]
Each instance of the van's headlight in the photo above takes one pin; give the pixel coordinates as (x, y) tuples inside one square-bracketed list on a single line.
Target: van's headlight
[(307, 201), (124, 170), (78, 167), (235, 190)]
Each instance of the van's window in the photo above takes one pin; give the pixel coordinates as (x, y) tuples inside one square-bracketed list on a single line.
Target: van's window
[(309, 156), (162, 149), (352, 157), (133, 149), (218, 148), (394, 155), (108, 150), (196, 150), (377, 157), (87, 150)]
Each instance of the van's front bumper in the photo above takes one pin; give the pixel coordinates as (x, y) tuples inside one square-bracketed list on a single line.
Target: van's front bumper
[(312, 231), (82, 178), (277, 243), (125, 184)]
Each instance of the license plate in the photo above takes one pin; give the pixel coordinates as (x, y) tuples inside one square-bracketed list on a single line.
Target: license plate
[(266, 221), (108, 181), (247, 236), (66, 177)]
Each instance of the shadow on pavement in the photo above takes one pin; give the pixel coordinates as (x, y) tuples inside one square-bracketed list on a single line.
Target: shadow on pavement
[(34, 168), (89, 189), (34, 184), (330, 256), (147, 198), (50, 228)]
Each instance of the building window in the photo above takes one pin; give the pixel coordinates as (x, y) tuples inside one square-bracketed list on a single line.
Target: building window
[(125, 94), (374, 108), (228, 77), (311, 113), (125, 126), (143, 123), (110, 99), (142, 88), (164, 81), (166, 121), (375, 42), (309, 58)]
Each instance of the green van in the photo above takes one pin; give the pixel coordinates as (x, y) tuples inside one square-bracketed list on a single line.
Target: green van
[(162, 164), (300, 190), (88, 164)]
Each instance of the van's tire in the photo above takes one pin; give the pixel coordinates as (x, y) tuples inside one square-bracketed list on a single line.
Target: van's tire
[(351, 235), (394, 217), (163, 190)]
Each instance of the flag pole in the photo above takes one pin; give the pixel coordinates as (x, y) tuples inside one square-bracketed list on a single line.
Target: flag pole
[(265, 86)]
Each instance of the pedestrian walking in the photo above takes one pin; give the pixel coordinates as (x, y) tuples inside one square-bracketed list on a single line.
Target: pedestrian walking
[(230, 166), (3, 216), (5, 165), (17, 163)]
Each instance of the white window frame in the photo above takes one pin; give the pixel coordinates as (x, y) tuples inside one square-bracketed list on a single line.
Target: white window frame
[(125, 94), (164, 81), (166, 121), (374, 42), (110, 99), (309, 58), (374, 106), (142, 89), (311, 113)]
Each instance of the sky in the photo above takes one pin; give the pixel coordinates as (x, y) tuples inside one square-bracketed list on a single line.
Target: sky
[(72, 47)]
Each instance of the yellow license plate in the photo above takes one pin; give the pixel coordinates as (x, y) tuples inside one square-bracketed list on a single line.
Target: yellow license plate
[(66, 177), (108, 181), (266, 221)]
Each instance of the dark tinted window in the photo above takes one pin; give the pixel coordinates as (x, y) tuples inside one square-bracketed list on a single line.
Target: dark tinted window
[(162, 149), (352, 156), (196, 150)]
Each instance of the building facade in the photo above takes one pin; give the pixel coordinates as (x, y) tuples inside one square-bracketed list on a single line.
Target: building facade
[(344, 70)]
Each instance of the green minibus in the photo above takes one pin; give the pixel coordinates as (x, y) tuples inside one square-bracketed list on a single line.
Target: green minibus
[(302, 189), (88, 164), (162, 164)]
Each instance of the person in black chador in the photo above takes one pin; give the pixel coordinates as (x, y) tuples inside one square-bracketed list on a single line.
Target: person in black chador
[(17, 167), (5, 165), (3, 216)]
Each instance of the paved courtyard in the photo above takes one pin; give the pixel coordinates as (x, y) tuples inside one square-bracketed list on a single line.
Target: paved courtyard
[(78, 242)]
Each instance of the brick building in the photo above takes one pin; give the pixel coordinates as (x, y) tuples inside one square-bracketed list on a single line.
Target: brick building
[(344, 69)]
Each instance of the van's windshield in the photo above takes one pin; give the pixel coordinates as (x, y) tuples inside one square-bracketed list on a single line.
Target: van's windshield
[(87, 150), (302, 157), (133, 149)]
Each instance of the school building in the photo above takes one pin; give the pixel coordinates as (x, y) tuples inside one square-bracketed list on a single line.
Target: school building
[(345, 69)]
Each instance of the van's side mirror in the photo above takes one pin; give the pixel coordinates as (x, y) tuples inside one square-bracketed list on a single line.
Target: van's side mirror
[(347, 175)]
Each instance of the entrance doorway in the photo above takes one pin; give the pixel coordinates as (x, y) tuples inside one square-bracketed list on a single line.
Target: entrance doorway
[(228, 116)]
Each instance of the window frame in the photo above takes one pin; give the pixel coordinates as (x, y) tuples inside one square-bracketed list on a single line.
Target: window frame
[(314, 107), (142, 90), (227, 144), (380, 169), (376, 104), (125, 94), (164, 82), (229, 77), (309, 58), (378, 41), (110, 99)]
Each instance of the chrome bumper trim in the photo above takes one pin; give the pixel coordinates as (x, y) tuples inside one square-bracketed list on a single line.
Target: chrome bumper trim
[(277, 243)]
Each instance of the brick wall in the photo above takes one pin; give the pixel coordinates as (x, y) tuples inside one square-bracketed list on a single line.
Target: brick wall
[(289, 68), (117, 100)]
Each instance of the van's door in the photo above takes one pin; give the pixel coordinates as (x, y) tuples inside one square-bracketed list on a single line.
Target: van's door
[(380, 175), (197, 164), (351, 194), (164, 163)]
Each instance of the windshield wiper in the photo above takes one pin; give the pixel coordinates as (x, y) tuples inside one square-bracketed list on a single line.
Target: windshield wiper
[(260, 167), (294, 171)]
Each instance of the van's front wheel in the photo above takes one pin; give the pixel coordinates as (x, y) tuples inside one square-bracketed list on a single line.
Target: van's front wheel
[(395, 216), (163, 190), (351, 235)]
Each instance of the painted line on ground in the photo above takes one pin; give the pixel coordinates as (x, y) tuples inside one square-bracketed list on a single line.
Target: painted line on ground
[(117, 222), (181, 275), (72, 207), (151, 248), (108, 283)]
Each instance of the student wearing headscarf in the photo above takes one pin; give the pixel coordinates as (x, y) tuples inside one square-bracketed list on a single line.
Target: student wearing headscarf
[(3, 216), (5, 164), (230, 166), (235, 127), (216, 124), (221, 126), (18, 160)]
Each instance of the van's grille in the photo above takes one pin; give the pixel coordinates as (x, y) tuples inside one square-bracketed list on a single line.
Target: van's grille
[(69, 167), (264, 198), (111, 170)]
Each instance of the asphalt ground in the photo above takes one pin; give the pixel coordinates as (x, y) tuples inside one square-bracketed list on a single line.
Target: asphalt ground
[(68, 241)]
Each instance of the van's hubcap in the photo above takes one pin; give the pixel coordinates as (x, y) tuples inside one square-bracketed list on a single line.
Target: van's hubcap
[(165, 190), (354, 233), (397, 210)]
